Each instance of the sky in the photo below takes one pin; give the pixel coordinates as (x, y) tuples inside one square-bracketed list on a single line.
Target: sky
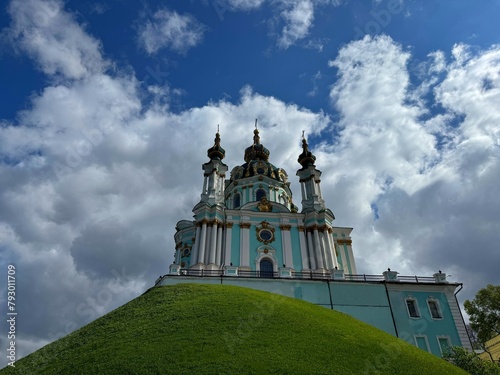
[(107, 109)]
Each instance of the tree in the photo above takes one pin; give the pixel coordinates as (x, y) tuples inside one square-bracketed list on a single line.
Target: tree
[(470, 362), (484, 313)]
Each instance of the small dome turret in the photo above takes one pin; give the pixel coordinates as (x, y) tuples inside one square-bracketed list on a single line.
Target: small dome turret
[(307, 158), (256, 151), (216, 152)]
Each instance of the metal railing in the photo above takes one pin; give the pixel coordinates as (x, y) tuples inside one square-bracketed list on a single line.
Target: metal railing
[(311, 275)]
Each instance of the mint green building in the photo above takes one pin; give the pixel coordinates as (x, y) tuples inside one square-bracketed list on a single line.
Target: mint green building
[(247, 231)]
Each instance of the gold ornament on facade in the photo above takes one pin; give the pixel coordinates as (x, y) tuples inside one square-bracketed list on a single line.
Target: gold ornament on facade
[(265, 233), (245, 225), (344, 242), (264, 205), (285, 227)]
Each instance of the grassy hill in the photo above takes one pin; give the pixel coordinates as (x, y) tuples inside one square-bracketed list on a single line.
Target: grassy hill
[(219, 329)]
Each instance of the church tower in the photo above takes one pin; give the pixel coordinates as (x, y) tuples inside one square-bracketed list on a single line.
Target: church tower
[(248, 225)]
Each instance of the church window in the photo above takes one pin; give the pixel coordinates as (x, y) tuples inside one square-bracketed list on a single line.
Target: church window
[(421, 342), (260, 194), (266, 268), (236, 201), (260, 170), (266, 235), (444, 343), (411, 305), (434, 309)]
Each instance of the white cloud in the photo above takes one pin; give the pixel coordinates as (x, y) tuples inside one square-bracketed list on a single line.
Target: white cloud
[(169, 29), (237, 5), (421, 195), (50, 35), (298, 17)]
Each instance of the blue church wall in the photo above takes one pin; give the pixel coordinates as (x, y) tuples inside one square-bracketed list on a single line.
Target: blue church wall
[(424, 325), (235, 245), (296, 254), (366, 302)]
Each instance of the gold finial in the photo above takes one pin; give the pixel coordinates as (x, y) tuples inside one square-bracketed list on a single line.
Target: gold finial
[(217, 128), (303, 137), (255, 123)]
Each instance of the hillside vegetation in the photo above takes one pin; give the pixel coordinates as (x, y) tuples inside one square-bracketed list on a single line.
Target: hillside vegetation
[(220, 329)]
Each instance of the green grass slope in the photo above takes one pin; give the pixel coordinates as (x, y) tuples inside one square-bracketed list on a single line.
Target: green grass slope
[(219, 329)]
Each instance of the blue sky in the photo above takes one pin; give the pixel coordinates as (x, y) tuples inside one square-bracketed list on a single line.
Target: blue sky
[(107, 109)]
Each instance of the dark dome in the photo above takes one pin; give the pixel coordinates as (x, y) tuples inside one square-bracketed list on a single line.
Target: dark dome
[(307, 158), (257, 163), (256, 151), (216, 152), (259, 168)]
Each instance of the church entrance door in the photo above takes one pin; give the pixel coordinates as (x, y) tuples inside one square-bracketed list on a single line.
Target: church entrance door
[(266, 268)]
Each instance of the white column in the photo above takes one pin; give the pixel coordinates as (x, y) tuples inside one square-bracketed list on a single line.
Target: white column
[(303, 191), (303, 249), (205, 181), (219, 245), (319, 190), (201, 250), (244, 244), (317, 249), (325, 250), (194, 251), (207, 244), (312, 255), (227, 251), (332, 249), (213, 243)]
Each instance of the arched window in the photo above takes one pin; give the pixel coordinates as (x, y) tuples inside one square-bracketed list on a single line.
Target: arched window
[(266, 268), (282, 199), (236, 201), (259, 195)]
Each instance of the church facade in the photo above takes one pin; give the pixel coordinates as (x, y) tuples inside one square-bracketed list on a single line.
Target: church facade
[(247, 231)]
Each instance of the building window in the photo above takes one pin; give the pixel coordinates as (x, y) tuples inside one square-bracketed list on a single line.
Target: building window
[(421, 342), (266, 268), (411, 305), (236, 201), (444, 344), (434, 309), (260, 194)]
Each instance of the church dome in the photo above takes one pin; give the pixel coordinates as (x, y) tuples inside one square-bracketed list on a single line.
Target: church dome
[(216, 152), (307, 158), (257, 163), (256, 151)]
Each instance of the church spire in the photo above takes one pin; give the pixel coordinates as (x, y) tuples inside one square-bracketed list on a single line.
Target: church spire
[(257, 151), (216, 152), (307, 158), (215, 169), (256, 138), (310, 179)]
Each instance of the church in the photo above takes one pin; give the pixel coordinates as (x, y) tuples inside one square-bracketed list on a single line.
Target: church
[(248, 232)]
